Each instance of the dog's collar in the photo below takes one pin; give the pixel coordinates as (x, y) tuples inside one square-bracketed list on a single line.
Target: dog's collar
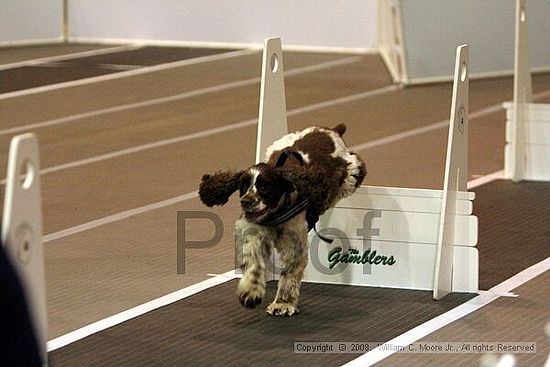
[(293, 205)]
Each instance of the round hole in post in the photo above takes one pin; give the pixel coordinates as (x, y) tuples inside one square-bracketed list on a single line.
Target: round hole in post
[(463, 71), (26, 174), (274, 63), (522, 14)]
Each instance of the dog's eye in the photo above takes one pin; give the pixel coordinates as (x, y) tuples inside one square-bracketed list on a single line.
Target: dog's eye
[(261, 189)]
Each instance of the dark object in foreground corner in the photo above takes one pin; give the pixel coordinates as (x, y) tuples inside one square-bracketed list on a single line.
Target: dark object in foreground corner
[(18, 346)]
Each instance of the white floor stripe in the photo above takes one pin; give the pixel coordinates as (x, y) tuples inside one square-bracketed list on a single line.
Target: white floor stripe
[(77, 55), (118, 217), (448, 317), (188, 196), (342, 100), (200, 134), (246, 123), (498, 175), (435, 126), (144, 147), (118, 66), (142, 209), (138, 311), (172, 98), (125, 74), (321, 66)]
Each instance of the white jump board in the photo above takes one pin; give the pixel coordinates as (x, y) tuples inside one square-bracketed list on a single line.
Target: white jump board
[(413, 265), (404, 199), (401, 224), (410, 218), (405, 191), (537, 141)]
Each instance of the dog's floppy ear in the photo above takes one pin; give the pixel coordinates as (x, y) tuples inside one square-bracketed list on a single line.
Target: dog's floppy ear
[(340, 129), (217, 188), (286, 179)]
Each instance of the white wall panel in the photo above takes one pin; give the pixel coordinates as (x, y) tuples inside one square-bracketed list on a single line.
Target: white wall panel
[(29, 21), (320, 23), (433, 29)]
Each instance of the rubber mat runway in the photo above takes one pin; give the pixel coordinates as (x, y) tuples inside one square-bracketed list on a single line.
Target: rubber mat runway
[(126, 134)]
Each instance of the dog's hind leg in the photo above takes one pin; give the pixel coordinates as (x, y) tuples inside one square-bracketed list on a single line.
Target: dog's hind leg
[(292, 247), (254, 244)]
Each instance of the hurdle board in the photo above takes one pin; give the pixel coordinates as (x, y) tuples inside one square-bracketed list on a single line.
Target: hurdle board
[(397, 237), (22, 229), (527, 151)]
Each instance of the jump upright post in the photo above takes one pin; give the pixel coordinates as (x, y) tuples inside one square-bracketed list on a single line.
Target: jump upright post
[(272, 122), (22, 228)]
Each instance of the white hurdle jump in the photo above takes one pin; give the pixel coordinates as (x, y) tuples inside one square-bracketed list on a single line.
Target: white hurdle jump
[(527, 151), (22, 228), (390, 236)]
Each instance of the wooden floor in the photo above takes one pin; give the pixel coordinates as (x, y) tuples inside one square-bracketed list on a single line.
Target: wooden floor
[(335, 313), (122, 151)]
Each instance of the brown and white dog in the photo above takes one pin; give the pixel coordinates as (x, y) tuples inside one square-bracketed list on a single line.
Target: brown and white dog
[(303, 175)]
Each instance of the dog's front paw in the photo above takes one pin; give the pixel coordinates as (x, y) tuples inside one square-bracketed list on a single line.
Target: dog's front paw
[(282, 309), (250, 295), (249, 300)]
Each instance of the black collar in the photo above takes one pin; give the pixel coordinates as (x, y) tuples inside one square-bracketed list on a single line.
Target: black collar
[(292, 203), (289, 210)]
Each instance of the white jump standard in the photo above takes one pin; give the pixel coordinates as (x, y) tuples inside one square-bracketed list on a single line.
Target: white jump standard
[(410, 238)]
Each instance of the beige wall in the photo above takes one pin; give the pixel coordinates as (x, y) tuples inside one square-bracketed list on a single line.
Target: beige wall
[(30, 21), (320, 23)]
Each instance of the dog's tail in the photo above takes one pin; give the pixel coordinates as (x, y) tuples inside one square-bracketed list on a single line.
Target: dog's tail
[(340, 129)]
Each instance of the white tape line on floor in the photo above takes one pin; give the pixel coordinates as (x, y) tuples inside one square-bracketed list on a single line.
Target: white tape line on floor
[(72, 56), (172, 98), (129, 73), (202, 134), (419, 332), (138, 311)]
